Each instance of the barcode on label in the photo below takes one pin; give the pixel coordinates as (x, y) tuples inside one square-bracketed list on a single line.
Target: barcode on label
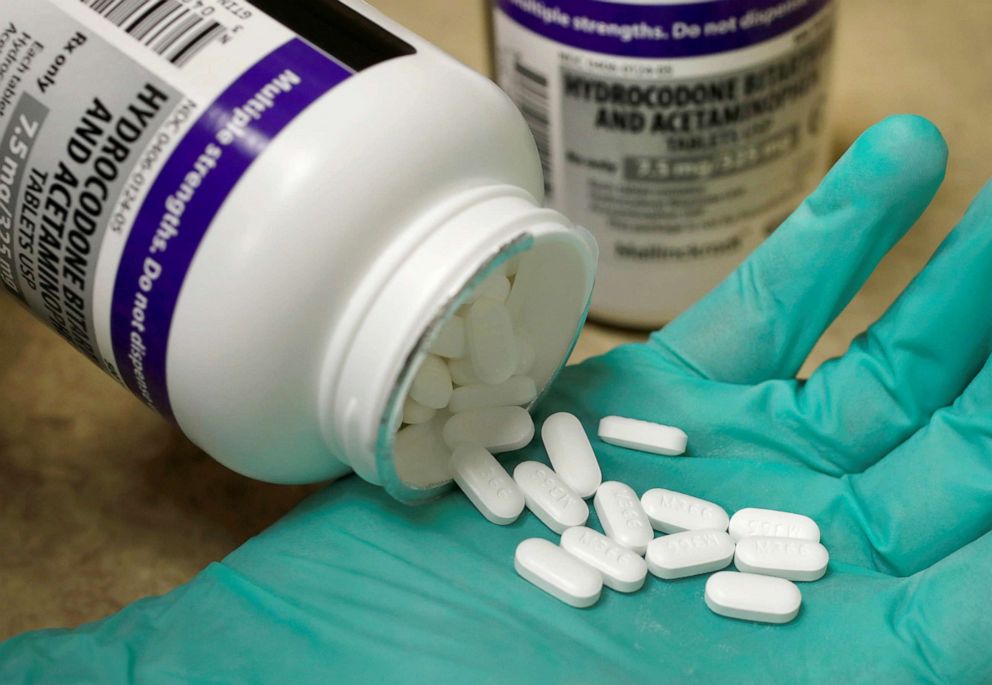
[(169, 28), (531, 96)]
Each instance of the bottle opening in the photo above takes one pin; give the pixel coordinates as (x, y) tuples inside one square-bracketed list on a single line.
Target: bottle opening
[(495, 346)]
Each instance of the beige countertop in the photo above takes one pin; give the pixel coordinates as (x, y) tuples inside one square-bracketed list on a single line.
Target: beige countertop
[(102, 503)]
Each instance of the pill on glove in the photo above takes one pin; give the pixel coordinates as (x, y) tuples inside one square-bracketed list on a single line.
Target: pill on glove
[(750, 597), (498, 429), (622, 569), (787, 558), (487, 484), (549, 498), (689, 553), (673, 512), (571, 454), (771, 523), (622, 517), (558, 573), (643, 436)]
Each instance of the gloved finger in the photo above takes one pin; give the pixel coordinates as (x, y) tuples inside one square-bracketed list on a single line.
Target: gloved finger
[(764, 319), (917, 358), (948, 615), (932, 494)]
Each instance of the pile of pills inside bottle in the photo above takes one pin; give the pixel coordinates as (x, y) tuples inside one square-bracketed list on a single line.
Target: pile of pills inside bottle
[(472, 388), (772, 550)]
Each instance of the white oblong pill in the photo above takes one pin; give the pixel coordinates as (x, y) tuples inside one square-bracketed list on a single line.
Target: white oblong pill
[(487, 484), (787, 558), (753, 598), (622, 516), (642, 435), (515, 391), (549, 498), (492, 344), (421, 454), (462, 372), (557, 572), (496, 287), (450, 342), (772, 523), (498, 429), (571, 453), (622, 569), (689, 553), (673, 512), (431, 385), (414, 412), (526, 355)]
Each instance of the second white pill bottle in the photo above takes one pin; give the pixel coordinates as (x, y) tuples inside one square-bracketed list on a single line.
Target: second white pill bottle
[(680, 132), (259, 221)]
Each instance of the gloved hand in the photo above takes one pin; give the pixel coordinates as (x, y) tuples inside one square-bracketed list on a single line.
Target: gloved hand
[(888, 448)]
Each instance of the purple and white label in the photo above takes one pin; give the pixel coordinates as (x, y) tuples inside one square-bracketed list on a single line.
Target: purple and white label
[(661, 31), (189, 192)]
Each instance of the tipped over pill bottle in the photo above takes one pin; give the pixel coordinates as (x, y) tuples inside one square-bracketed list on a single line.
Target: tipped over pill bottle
[(260, 217), (679, 132)]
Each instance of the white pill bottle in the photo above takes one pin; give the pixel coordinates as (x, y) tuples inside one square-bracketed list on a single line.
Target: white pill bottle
[(680, 132), (258, 220)]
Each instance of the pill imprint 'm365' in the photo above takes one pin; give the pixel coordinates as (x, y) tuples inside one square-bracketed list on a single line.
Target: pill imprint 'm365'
[(556, 504), (622, 517), (772, 523), (623, 570), (673, 512), (689, 553)]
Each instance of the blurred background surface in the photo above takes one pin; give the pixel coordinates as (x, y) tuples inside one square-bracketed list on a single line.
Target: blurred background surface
[(102, 502)]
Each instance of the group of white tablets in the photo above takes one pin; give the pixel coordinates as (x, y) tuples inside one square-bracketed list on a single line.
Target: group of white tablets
[(466, 403), (770, 549), (474, 384)]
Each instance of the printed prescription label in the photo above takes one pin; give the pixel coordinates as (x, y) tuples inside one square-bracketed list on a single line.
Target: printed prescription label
[(124, 126), (679, 134)]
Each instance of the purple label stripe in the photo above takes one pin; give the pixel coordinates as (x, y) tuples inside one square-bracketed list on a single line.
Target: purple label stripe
[(220, 148), (661, 30)]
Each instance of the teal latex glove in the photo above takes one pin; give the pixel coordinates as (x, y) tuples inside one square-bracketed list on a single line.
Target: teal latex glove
[(889, 448)]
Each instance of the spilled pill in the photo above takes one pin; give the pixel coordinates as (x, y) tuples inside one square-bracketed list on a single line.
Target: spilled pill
[(689, 553), (557, 572), (487, 484), (571, 453), (549, 498), (622, 569), (673, 512), (801, 560), (751, 597), (622, 517), (642, 435), (772, 523)]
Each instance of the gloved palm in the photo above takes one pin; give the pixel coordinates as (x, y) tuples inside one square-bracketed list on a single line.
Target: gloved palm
[(887, 448)]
